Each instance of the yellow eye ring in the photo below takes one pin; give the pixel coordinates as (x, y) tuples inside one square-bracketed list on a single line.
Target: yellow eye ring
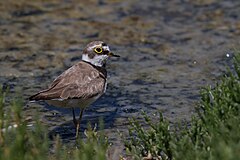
[(98, 50)]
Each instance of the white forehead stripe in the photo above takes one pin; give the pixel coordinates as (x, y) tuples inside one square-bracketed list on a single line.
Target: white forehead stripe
[(106, 48), (91, 48)]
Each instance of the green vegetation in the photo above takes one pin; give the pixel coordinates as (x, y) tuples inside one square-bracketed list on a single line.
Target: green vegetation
[(213, 133), (24, 143)]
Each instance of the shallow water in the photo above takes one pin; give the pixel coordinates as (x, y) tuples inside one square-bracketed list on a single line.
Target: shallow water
[(169, 50)]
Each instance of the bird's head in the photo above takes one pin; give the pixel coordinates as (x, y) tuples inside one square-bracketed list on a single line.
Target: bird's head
[(97, 53)]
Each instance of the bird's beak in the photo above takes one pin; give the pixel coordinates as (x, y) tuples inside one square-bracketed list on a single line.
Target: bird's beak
[(110, 54)]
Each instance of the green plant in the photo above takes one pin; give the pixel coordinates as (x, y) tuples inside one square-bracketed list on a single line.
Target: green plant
[(21, 142), (153, 142), (17, 141), (214, 133), (95, 146)]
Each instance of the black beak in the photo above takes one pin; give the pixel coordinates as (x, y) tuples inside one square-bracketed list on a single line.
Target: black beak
[(110, 54)]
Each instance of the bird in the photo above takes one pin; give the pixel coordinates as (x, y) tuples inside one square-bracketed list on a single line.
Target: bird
[(80, 85)]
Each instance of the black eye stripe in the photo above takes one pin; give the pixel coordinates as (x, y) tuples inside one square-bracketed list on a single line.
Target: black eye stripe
[(104, 44), (105, 52)]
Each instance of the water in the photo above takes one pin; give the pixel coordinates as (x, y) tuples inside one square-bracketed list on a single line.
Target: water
[(169, 50)]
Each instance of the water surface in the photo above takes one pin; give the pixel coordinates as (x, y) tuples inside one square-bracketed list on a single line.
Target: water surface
[(169, 50)]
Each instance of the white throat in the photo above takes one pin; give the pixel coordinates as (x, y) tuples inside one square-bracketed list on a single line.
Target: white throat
[(97, 60)]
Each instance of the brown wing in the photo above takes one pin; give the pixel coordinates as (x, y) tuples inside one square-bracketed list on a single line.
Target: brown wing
[(76, 82)]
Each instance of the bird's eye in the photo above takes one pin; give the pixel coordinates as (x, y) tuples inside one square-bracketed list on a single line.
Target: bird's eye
[(98, 50)]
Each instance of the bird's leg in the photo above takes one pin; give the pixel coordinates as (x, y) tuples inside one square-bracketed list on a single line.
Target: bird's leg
[(78, 123), (74, 118)]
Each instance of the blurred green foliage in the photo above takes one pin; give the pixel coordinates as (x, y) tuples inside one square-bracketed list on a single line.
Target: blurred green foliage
[(18, 141), (214, 133)]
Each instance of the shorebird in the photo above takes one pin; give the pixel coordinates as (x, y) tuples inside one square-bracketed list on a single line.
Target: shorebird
[(81, 84)]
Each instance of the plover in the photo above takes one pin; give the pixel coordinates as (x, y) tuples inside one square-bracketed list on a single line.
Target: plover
[(80, 85)]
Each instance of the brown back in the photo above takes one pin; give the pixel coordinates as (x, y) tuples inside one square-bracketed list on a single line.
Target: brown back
[(82, 80)]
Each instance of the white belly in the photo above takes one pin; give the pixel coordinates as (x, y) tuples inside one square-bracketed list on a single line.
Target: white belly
[(72, 103)]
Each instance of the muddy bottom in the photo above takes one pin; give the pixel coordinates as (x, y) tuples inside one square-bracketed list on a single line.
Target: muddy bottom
[(169, 50)]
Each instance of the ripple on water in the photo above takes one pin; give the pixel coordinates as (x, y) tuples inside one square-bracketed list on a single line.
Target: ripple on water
[(169, 50)]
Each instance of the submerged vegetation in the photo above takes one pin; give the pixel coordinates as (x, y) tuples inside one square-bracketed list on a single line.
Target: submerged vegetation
[(213, 133)]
